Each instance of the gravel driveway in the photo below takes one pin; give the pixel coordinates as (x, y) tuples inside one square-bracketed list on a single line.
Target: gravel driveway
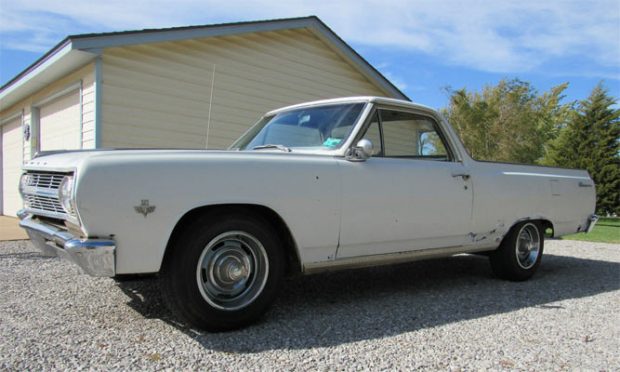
[(440, 314)]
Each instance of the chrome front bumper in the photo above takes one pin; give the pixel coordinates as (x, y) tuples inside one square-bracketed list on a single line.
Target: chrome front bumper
[(96, 257)]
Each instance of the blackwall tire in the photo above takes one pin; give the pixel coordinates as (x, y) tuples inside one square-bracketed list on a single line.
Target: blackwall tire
[(223, 275), (520, 253)]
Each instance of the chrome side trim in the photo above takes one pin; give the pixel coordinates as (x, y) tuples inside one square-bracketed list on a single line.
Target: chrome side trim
[(96, 257), (592, 220), (391, 258), (540, 174)]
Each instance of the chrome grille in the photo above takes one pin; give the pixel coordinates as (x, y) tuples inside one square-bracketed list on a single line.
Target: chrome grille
[(43, 203), (40, 193), (44, 180)]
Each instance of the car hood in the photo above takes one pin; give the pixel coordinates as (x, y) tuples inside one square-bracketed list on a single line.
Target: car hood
[(68, 161)]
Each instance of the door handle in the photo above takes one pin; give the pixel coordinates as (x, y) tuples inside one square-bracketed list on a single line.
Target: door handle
[(465, 175)]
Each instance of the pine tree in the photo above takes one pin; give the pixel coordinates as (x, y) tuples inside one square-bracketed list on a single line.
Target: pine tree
[(591, 141)]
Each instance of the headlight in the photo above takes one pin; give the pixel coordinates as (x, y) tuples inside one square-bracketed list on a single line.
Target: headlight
[(65, 194), (24, 181)]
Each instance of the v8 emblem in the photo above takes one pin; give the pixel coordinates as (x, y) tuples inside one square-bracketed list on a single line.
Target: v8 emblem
[(144, 208)]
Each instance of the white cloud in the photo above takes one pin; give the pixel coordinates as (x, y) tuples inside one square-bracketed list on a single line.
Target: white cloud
[(498, 36)]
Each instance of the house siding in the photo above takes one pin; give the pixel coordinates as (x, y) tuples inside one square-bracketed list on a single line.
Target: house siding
[(159, 95), (88, 110)]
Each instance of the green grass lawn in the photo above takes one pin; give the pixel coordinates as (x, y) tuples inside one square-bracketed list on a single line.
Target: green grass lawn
[(607, 230)]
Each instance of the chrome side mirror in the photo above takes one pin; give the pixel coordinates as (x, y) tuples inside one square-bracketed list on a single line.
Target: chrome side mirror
[(361, 151)]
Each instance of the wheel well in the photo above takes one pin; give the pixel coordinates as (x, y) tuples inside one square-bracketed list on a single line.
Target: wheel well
[(547, 228), (546, 225), (268, 214)]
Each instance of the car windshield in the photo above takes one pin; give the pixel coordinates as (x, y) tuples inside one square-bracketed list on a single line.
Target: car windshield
[(319, 127)]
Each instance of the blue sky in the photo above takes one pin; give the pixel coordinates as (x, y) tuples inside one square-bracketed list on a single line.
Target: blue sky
[(422, 46)]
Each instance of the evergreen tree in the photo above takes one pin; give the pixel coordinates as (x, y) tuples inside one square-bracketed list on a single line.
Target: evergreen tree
[(591, 141)]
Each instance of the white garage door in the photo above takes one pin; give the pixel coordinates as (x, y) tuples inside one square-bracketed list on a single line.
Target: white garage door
[(12, 155), (59, 123)]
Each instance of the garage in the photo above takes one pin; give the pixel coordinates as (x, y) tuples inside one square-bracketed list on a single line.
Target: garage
[(12, 156), (59, 123)]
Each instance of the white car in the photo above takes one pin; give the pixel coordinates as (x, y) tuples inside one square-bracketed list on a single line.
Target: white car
[(324, 185)]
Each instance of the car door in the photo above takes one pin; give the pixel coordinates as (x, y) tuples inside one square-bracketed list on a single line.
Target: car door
[(412, 194)]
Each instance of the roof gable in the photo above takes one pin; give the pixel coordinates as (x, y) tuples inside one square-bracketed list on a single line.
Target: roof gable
[(77, 50)]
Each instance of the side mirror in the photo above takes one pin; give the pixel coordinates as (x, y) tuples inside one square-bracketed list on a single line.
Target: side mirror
[(361, 151)]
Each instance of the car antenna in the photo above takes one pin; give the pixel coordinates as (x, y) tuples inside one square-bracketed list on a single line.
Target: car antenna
[(210, 102)]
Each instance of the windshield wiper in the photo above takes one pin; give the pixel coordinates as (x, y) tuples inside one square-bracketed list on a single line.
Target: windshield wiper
[(279, 147)]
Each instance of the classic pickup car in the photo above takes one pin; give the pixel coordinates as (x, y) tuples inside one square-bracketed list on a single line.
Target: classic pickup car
[(318, 186)]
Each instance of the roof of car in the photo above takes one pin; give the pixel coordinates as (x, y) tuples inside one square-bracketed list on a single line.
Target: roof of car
[(355, 99)]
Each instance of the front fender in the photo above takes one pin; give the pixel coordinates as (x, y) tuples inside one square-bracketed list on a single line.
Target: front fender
[(304, 192)]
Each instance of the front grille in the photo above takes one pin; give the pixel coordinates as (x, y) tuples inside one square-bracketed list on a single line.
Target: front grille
[(44, 180), (44, 203), (40, 193)]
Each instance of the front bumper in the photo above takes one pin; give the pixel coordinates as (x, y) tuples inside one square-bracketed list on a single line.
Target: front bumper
[(96, 257)]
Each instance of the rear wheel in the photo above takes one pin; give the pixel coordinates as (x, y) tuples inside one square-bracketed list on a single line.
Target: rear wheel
[(223, 275), (520, 253)]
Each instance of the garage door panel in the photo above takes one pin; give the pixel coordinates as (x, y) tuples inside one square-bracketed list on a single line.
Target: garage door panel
[(12, 157), (59, 123)]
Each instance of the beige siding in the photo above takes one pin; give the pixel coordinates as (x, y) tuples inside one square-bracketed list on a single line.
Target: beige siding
[(88, 111), (400, 138), (159, 95), (59, 127), (11, 166)]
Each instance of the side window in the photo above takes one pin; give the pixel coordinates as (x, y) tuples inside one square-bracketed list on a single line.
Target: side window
[(407, 135), (373, 133)]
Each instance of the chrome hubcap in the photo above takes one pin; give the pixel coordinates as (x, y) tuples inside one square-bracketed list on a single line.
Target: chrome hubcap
[(232, 270), (528, 246)]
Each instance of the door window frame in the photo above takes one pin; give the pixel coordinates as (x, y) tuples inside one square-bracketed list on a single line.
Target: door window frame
[(375, 113)]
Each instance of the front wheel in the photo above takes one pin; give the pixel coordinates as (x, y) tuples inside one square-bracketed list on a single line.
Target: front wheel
[(520, 253), (223, 275)]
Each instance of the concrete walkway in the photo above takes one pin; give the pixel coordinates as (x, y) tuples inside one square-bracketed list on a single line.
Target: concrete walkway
[(10, 230)]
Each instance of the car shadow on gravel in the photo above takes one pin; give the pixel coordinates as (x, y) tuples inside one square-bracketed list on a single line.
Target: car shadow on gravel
[(335, 308)]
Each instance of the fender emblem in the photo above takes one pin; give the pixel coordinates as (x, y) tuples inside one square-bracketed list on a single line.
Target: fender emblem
[(144, 208)]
